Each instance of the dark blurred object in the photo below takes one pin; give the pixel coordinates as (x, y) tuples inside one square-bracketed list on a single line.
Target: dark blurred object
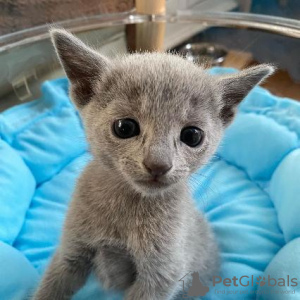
[(245, 5), (204, 53), (22, 14), (264, 46), (281, 8)]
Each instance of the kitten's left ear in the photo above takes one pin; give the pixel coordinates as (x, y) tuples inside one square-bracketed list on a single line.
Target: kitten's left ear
[(82, 64), (236, 87)]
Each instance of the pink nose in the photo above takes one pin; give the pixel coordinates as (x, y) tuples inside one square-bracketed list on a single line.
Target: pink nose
[(157, 170)]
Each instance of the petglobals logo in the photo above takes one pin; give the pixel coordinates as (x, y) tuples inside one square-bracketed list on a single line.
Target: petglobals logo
[(192, 285), (259, 281)]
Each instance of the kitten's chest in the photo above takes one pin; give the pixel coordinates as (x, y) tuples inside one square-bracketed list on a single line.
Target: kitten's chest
[(150, 225), (140, 224)]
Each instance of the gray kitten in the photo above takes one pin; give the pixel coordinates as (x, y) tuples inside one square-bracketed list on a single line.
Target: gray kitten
[(151, 120)]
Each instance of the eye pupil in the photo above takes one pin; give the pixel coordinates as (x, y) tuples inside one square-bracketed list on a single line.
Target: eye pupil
[(191, 136), (126, 128)]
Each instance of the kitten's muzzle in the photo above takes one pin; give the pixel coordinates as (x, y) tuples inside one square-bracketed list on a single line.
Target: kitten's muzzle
[(157, 170), (157, 178)]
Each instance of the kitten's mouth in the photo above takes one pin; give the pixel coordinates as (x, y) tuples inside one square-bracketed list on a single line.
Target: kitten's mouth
[(153, 182)]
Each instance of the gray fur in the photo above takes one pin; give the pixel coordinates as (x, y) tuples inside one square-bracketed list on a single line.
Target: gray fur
[(136, 236)]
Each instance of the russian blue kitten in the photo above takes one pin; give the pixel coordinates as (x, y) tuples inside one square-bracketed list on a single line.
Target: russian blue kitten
[(151, 120)]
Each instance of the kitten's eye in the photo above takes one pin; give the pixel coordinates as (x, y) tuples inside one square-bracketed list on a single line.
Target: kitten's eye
[(192, 136), (126, 128)]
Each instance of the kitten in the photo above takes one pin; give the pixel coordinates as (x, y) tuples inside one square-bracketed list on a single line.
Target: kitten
[(151, 120)]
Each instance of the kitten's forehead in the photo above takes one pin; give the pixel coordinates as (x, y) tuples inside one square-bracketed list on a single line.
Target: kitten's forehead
[(158, 86)]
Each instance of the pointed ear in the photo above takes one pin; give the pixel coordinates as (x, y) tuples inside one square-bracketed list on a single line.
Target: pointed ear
[(82, 64), (236, 87)]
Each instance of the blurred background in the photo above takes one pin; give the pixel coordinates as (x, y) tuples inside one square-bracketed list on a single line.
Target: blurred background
[(230, 33)]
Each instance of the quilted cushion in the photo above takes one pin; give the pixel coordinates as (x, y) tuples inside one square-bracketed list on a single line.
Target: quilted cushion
[(248, 191)]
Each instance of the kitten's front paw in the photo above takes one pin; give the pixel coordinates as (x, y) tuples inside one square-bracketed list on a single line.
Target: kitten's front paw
[(115, 281), (138, 291)]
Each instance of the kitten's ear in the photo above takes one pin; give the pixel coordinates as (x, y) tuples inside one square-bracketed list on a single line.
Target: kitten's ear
[(82, 64), (236, 87)]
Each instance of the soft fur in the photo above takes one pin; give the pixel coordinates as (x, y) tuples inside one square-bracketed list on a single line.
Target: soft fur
[(138, 236)]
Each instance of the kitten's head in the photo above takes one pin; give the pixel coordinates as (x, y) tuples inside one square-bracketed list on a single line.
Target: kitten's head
[(151, 118)]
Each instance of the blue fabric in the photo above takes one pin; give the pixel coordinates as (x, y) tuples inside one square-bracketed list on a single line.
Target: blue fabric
[(249, 191)]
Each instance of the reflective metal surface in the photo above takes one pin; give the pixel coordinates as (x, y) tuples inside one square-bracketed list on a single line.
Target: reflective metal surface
[(204, 53)]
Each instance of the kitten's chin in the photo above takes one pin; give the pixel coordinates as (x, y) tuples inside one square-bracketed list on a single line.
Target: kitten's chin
[(151, 187)]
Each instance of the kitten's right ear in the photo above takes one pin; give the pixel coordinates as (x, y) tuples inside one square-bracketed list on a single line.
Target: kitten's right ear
[(82, 64)]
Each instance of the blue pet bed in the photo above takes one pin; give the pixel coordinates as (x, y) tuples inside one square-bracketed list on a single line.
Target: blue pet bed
[(249, 192)]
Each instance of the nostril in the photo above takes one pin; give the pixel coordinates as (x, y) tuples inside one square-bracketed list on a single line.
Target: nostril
[(157, 169)]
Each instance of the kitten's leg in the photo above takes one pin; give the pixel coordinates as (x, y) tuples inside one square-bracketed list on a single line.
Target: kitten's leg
[(66, 274), (115, 268), (157, 277)]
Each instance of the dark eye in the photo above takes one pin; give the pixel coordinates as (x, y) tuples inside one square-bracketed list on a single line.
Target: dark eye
[(192, 136), (126, 128)]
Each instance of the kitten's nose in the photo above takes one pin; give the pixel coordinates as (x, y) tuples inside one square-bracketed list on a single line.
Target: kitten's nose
[(157, 169)]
